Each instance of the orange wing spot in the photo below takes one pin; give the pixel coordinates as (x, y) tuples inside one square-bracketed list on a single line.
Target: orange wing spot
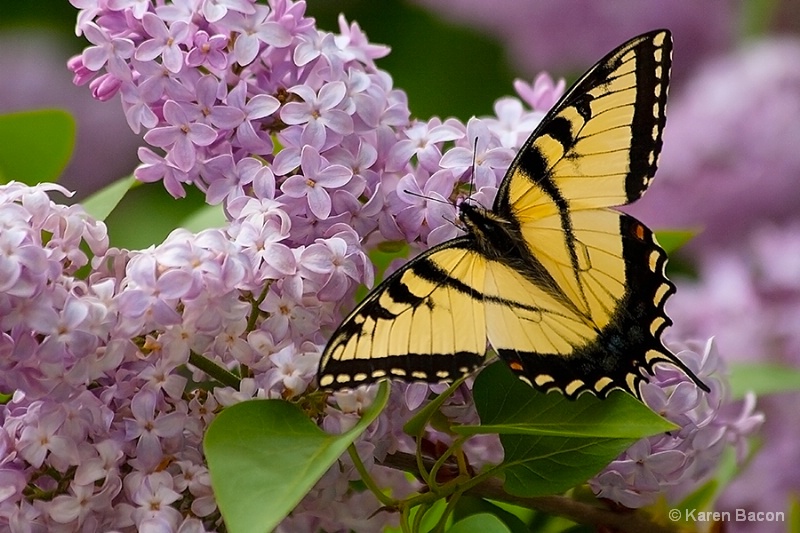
[(639, 232), (515, 366)]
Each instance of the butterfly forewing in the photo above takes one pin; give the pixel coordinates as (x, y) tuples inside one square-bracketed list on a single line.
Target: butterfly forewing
[(423, 323), (599, 145)]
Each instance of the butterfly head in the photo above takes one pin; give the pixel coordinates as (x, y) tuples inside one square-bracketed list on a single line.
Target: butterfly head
[(492, 233)]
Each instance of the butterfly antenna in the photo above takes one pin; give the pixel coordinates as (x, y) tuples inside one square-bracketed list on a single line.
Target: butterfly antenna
[(431, 198), (474, 163)]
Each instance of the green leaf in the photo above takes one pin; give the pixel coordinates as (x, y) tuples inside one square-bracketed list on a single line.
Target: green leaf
[(512, 408), (265, 455), (102, 203), (551, 443), (671, 240), (763, 378), (35, 146), (470, 506), (208, 216), (483, 522), (147, 214)]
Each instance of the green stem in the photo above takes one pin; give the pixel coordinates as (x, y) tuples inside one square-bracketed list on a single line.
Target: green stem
[(451, 506), (487, 485), (423, 473), (415, 527), (254, 307), (405, 513), (367, 479), (445, 456), (215, 371)]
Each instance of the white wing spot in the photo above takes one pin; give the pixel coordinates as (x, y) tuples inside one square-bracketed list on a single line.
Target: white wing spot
[(602, 383), (573, 386)]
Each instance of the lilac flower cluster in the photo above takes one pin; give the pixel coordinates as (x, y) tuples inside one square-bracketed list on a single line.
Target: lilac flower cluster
[(675, 463), (311, 152), (749, 296)]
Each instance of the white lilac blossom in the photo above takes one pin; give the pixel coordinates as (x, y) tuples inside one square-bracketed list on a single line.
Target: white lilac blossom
[(103, 430)]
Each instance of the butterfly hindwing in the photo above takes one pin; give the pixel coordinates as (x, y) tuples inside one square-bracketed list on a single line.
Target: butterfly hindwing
[(624, 289)]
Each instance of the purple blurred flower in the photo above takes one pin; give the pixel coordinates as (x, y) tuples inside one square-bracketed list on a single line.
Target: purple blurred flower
[(722, 172), (539, 36)]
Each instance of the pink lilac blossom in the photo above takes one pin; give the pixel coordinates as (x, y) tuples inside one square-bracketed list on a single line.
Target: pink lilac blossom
[(103, 431)]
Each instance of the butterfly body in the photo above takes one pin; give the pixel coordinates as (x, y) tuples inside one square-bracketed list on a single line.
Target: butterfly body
[(567, 291)]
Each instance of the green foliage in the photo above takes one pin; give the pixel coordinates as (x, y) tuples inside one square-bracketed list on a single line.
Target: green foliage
[(265, 455), (35, 146), (469, 506), (763, 379), (147, 214), (483, 522), (671, 240), (551, 443), (207, 216), (794, 514), (102, 203)]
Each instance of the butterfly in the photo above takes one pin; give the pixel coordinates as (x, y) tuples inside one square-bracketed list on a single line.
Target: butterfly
[(567, 291)]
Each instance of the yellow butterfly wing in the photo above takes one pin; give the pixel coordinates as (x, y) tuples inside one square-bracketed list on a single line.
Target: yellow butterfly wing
[(431, 319), (598, 147), (422, 323), (568, 292)]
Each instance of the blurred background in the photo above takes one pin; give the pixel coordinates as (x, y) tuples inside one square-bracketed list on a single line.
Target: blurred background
[(730, 168)]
